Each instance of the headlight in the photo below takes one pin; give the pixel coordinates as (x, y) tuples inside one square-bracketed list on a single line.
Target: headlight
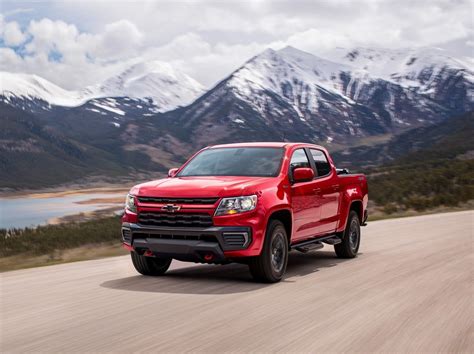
[(130, 203), (230, 206)]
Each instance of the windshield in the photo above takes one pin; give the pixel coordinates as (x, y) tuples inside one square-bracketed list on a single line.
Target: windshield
[(247, 161)]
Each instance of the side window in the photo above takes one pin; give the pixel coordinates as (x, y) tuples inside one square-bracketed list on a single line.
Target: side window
[(299, 159), (322, 165)]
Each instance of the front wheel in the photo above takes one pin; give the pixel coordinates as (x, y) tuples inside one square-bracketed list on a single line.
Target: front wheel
[(270, 266), (150, 265), (349, 246)]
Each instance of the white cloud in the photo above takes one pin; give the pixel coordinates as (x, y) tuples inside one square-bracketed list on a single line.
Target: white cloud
[(80, 43), (9, 59), (48, 35), (12, 34), (119, 39)]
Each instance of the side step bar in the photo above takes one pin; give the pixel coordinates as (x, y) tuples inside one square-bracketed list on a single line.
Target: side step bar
[(333, 240), (316, 243), (309, 247)]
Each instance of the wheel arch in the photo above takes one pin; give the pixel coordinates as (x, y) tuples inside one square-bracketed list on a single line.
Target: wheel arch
[(358, 206), (285, 216)]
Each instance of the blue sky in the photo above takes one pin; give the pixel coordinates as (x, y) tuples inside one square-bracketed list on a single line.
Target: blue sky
[(78, 43)]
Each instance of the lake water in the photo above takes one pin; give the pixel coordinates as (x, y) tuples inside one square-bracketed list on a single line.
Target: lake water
[(31, 211)]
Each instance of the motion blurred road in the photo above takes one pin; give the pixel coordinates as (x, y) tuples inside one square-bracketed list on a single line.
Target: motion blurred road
[(410, 290)]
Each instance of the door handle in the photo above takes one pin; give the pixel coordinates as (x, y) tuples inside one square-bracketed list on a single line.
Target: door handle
[(335, 187), (317, 190)]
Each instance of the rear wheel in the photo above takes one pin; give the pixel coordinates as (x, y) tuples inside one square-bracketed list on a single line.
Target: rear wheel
[(349, 246), (270, 266), (150, 265)]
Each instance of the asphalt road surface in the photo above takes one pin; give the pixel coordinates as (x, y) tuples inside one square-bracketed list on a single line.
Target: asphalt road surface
[(410, 290)]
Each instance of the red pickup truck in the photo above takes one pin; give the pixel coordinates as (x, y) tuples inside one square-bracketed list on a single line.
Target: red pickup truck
[(250, 203)]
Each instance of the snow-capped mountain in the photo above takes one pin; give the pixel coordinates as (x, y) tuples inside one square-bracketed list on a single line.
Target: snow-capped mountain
[(155, 83), (294, 95), (154, 80), (403, 66), (14, 86), (431, 72), (288, 69), (300, 78)]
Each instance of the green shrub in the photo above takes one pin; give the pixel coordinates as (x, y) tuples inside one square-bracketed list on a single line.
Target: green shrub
[(46, 239), (423, 185)]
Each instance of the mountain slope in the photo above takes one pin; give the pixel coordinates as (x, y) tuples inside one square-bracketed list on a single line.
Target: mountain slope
[(41, 151), (449, 139), (431, 167)]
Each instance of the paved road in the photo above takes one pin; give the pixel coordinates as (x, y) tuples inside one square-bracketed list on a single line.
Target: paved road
[(410, 290)]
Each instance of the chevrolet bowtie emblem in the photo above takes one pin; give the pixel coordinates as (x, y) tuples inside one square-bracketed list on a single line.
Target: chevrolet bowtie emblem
[(171, 208)]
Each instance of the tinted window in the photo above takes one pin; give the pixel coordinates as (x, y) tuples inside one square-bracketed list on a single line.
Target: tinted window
[(264, 162), (299, 159), (322, 165)]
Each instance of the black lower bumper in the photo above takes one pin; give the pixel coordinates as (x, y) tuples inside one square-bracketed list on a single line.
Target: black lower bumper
[(189, 244), (182, 250)]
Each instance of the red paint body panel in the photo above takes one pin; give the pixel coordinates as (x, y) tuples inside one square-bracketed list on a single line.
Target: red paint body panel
[(317, 207)]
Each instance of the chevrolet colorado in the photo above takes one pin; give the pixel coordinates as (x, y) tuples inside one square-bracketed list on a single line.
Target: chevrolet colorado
[(250, 203)]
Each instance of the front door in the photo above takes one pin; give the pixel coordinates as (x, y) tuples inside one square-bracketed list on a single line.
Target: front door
[(305, 200)]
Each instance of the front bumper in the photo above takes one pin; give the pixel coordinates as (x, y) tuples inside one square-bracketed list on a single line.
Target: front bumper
[(187, 244)]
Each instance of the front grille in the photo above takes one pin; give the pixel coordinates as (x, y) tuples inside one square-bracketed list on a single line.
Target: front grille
[(175, 220), (159, 200), (127, 236), (203, 237), (237, 239)]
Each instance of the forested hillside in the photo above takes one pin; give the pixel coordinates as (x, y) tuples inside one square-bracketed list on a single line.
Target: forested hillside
[(439, 171)]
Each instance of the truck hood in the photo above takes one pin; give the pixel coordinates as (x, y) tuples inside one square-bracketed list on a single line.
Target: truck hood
[(183, 187)]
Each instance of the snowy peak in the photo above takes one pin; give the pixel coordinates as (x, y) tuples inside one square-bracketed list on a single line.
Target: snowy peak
[(278, 71), (33, 87), (154, 80), (400, 58), (403, 66)]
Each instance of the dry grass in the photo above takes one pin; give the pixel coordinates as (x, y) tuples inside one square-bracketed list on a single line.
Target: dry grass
[(83, 253), (376, 213)]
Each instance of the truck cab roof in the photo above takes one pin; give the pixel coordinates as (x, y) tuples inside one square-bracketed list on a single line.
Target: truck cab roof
[(264, 144)]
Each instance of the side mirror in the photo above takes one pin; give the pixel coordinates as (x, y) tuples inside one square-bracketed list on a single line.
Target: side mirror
[(303, 174), (172, 172)]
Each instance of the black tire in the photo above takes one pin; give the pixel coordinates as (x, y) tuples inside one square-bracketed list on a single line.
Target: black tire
[(270, 266), (349, 246), (150, 265)]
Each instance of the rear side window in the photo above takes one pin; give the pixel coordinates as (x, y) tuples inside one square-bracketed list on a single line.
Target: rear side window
[(299, 159), (322, 165)]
